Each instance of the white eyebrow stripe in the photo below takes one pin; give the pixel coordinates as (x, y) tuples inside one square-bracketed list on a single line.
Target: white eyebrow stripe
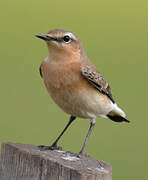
[(71, 35)]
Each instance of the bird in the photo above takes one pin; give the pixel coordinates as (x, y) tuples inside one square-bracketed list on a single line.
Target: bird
[(75, 84)]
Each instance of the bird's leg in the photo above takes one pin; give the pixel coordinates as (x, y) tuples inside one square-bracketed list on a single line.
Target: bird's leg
[(92, 124), (72, 118), (54, 145)]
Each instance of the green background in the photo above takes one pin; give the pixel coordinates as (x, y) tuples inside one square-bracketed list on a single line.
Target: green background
[(115, 37)]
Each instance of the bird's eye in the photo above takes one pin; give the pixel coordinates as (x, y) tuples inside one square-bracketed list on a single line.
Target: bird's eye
[(67, 39)]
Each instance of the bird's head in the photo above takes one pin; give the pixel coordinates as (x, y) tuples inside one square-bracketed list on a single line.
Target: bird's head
[(61, 41)]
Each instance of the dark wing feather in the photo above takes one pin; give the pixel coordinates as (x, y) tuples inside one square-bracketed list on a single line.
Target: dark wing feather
[(95, 78), (40, 71)]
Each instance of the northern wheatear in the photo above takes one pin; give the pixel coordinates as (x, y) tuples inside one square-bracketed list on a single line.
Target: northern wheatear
[(74, 83)]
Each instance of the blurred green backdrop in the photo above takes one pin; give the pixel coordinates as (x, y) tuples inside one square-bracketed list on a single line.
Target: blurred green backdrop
[(115, 37)]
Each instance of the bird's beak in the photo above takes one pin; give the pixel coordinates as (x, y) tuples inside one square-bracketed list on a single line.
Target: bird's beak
[(43, 36)]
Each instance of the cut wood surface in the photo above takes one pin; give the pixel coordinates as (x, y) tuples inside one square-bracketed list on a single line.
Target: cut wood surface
[(27, 162)]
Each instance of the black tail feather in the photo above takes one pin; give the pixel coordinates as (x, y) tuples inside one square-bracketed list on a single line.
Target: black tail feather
[(117, 118)]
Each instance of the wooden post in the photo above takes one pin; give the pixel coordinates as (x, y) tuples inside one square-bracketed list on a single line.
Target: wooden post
[(27, 162)]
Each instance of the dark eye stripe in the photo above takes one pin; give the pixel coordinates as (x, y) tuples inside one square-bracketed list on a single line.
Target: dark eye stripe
[(61, 39), (56, 39)]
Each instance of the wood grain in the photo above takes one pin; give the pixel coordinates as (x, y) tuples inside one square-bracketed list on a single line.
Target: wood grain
[(27, 162)]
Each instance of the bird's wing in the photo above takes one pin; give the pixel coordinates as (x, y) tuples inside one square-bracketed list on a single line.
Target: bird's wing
[(40, 70), (95, 78)]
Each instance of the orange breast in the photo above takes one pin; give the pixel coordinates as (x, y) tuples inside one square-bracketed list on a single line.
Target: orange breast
[(62, 76)]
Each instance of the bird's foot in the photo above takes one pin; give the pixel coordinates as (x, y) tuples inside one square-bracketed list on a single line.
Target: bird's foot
[(79, 155), (44, 148)]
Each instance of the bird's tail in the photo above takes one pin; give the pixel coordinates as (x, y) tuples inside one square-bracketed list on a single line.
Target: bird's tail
[(117, 115)]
